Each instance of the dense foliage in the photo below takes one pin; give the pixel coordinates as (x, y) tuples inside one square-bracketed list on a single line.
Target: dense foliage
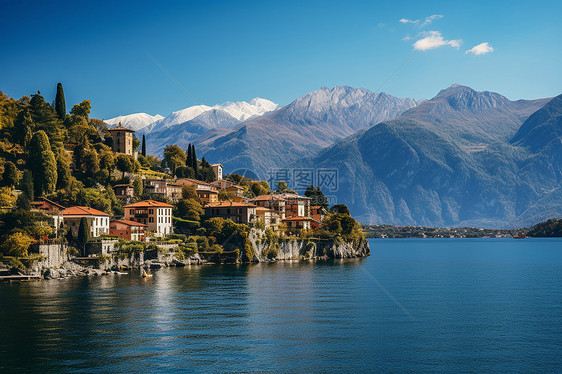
[(550, 228)]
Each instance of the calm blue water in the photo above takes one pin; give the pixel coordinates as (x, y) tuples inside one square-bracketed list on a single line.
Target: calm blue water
[(445, 305)]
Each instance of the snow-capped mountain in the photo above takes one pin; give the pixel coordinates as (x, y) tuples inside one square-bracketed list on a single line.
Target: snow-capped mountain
[(240, 111), (243, 111), (135, 121), (300, 129)]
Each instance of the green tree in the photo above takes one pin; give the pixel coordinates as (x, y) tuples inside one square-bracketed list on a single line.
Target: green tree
[(42, 163), (143, 148), (107, 159), (82, 110), (317, 196), (184, 172), (10, 175), (189, 158), (189, 192), (24, 128), (27, 184), (64, 174), (83, 234), (258, 189), (194, 161), (23, 202), (281, 186), (7, 198), (174, 157), (137, 186), (206, 174), (44, 117), (189, 209), (60, 104), (125, 164), (17, 244), (340, 208)]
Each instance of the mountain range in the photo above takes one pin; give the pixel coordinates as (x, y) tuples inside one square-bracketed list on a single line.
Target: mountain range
[(457, 159), (463, 157), (184, 126)]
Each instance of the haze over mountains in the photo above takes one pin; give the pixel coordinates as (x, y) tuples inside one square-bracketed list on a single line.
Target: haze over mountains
[(461, 158)]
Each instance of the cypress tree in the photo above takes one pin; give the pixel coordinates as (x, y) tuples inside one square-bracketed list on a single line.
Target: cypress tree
[(204, 163), (24, 128), (138, 186), (83, 234), (188, 161), (42, 163), (27, 184), (143, 147), (60, 105), (10, 176), (23, 202), (194, 160)]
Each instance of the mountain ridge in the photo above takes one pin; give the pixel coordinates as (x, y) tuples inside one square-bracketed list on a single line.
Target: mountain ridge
[(446, 162)]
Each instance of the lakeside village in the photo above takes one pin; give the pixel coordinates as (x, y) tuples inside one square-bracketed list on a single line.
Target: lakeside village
[(77, 198)]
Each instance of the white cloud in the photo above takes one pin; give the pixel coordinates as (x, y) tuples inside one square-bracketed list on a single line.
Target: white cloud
[(405, 20), (430, 19), (407, 37), (481, 49), (434, 39)]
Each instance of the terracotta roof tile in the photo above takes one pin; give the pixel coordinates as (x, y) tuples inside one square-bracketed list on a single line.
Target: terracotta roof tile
[(148, 204), (227, 204), (128, 223), (82, 211)]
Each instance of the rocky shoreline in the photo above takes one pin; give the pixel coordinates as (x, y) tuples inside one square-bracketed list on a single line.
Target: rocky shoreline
[(286, 250)]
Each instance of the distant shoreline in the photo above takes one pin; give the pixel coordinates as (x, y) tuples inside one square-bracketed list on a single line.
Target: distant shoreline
[(551, 228)]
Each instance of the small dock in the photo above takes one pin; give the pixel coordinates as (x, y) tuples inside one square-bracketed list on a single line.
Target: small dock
[(18, 278)]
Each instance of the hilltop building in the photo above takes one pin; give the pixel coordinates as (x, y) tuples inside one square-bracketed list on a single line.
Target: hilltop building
[(122, 140), (217, 168)]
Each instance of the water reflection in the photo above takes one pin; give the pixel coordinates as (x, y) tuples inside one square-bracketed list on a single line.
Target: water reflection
[(298, 316)]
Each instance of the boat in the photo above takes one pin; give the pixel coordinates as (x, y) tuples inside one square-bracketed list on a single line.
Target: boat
[(146, 275)]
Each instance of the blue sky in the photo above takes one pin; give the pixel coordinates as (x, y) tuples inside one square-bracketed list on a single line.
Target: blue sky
[(112, 52)]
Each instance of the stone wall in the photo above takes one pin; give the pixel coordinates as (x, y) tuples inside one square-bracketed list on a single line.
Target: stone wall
[(54, 254)]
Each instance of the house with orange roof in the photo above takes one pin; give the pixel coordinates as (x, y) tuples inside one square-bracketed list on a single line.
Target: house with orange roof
[(97, 220), (155, 214), (207, 192), (129, 230), (296, 205), (274, 202), (269, 217), (236, 211), (51, 209), (297, 223)]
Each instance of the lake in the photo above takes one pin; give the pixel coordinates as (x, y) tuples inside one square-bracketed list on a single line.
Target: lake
[(434, 305)]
